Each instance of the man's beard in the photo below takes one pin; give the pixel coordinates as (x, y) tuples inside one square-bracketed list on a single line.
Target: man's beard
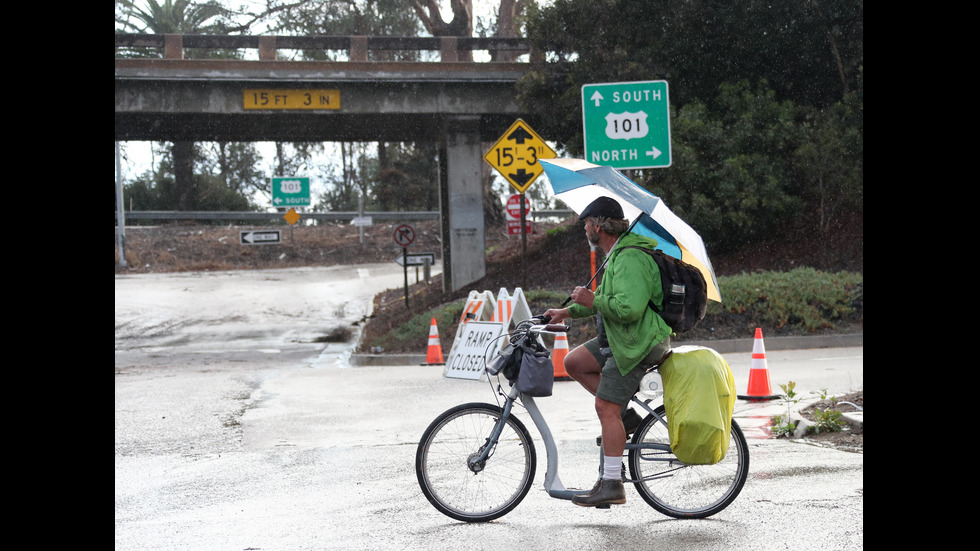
[(592, 236)]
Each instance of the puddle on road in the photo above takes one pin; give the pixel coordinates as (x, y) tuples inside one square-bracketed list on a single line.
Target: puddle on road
[(756, 426), (805, 470), (755, 418)]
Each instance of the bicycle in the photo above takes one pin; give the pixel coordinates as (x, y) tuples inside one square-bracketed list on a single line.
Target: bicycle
[(476, 461)]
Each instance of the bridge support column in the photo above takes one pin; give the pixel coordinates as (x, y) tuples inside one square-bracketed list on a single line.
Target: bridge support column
[(461, 203)]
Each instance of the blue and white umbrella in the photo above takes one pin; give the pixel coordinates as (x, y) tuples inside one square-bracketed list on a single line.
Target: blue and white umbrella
[(578, 182)]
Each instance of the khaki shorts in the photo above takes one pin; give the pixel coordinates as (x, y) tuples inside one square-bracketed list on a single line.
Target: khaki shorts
[(613, 385)]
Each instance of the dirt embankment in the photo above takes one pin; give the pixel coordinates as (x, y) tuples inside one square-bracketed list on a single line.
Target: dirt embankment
[(556, 260)]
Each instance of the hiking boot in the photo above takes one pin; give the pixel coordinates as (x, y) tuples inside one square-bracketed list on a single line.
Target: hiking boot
[(607, 492), (631, 420)]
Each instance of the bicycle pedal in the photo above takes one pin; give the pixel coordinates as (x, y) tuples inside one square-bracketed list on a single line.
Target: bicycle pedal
[(602, 506), (598, 440)]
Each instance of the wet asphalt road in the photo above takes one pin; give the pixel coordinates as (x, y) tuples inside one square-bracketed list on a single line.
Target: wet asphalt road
[(234, 431)]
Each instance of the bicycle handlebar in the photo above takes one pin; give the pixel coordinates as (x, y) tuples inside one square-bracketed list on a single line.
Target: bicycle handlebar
[(539, 324), (549, 328)]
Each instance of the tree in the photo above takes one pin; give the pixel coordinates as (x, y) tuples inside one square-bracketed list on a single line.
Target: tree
[(171, 16), (180, 17), (461, 24), (183, 170), (346, 189), (807, 55), (406, 178), (766, 115), (211, 191), (174, 17), (346, 17), (236, 166), (747, 167), (509, 23), (830, 161)]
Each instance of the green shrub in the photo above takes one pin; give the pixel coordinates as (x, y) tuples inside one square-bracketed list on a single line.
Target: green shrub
[(804, 297), (826, 420), (416, 330)]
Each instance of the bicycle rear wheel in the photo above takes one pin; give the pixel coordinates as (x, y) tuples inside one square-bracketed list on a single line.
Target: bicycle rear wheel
[(686, 491), (468, 491)]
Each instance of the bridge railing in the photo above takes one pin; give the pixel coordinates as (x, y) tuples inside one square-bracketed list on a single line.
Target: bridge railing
[(277, 217), (357, 47)]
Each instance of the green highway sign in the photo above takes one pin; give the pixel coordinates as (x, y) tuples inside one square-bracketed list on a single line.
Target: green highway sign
[(291, 192), (627, 124)]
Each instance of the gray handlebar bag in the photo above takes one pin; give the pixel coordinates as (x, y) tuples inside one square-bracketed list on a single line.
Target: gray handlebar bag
[(537, 375)]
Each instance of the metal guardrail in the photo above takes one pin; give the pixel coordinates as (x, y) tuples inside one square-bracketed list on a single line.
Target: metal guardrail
[(338, 216)]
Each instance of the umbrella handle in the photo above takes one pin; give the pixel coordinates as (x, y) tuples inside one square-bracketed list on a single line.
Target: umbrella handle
[(604, 260), (596, 274)]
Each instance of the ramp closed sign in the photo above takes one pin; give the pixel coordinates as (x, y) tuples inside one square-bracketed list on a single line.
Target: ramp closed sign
[(466, 358)]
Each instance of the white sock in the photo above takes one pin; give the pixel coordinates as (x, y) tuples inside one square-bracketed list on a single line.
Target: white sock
[(612, 467)]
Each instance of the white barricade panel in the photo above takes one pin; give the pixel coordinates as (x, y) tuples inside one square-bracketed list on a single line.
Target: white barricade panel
[(475, 343)]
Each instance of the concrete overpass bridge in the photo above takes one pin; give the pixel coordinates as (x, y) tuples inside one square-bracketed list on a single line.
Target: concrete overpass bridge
[(459, 105)]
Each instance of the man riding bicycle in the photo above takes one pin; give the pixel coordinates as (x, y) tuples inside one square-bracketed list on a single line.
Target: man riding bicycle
[(631, 337)]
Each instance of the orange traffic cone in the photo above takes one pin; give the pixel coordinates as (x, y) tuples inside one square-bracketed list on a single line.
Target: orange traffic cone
[(558, 357), (433, 355), (759, 388)]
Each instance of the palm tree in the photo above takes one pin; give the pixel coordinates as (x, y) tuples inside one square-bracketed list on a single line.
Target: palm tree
[(173, 17)]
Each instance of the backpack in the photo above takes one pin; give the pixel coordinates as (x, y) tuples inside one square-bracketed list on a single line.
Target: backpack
[(684, 309)]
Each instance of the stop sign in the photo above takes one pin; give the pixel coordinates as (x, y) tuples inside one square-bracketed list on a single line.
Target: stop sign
[(514, 206)]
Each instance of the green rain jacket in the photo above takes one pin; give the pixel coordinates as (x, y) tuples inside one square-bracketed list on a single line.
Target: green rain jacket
[(631, 280)]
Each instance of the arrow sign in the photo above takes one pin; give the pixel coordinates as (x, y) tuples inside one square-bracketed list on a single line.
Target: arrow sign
[(519, 135), (265, 237), (596, 97), (416, 259), (515, 155), (521, 178)]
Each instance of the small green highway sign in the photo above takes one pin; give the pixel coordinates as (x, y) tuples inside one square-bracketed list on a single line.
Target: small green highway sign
[(627, 124), (290, 192)]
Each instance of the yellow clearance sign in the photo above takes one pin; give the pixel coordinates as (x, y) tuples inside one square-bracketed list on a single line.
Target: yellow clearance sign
[(291, 99), (516, 154)]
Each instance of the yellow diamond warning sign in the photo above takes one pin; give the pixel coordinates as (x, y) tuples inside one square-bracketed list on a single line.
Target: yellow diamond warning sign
[(516, 154), (292, 217)]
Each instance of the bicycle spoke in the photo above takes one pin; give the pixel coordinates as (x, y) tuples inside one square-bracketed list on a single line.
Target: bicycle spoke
[(490, 488), (686, 491)]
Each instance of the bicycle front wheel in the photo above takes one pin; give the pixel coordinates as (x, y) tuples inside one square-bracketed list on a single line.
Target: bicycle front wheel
[(686, 491), (463, 488)]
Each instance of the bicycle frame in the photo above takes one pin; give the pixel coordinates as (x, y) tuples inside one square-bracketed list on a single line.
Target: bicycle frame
[(552, 482)]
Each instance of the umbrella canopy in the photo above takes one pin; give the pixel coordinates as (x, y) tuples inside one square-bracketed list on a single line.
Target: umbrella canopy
[(578, 182)]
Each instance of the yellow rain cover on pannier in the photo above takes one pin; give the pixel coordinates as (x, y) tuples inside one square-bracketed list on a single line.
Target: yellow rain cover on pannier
[(699, 395)]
